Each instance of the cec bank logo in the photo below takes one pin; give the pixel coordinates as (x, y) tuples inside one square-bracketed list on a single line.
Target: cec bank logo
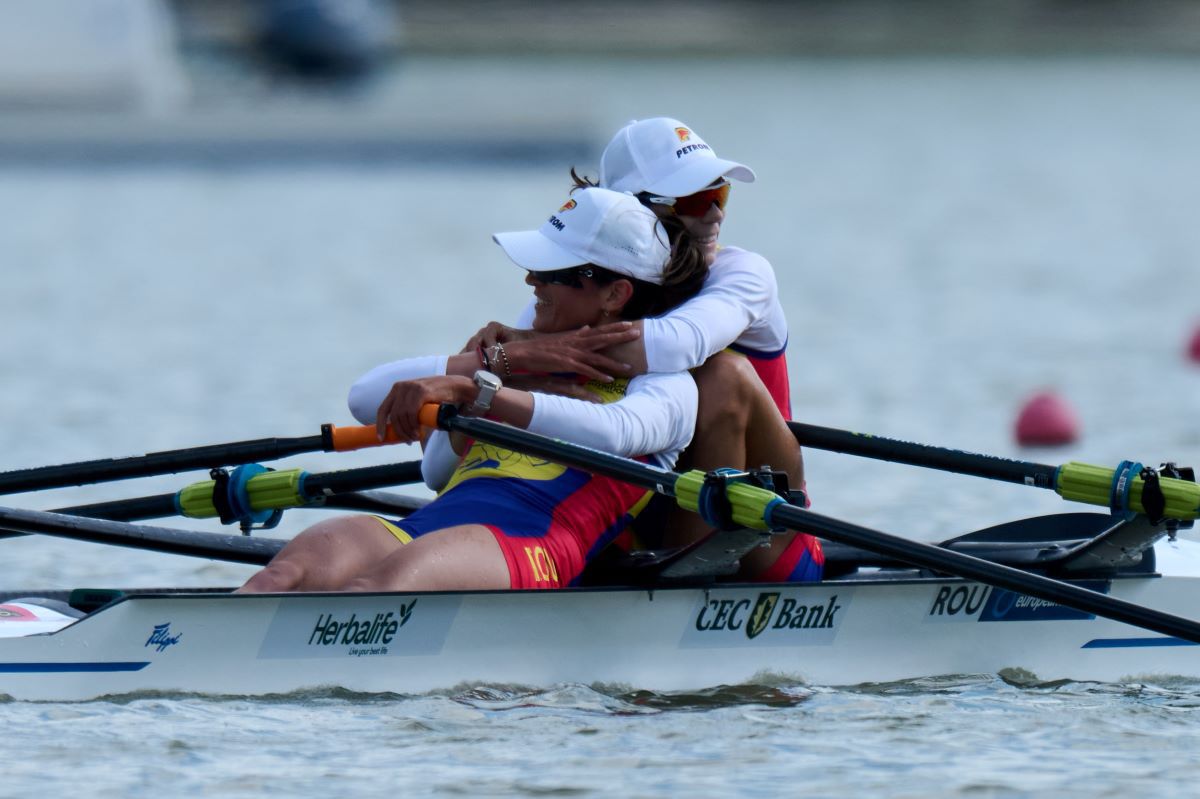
[(769, 618), (761, 615)]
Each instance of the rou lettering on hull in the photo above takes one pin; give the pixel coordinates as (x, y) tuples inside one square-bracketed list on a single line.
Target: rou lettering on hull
[(970, 602)]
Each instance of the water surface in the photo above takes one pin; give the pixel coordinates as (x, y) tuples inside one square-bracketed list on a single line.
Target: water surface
[(950, 236)]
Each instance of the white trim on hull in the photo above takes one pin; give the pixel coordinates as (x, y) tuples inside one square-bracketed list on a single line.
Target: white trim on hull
[(866, 629)]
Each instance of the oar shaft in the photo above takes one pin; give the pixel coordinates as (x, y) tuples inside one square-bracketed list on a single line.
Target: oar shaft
[(949, 460), (316, 486), (331, 439), (154, 463), (946, 561), (159, 506), (215, 546), (362, 479), (630, 471)]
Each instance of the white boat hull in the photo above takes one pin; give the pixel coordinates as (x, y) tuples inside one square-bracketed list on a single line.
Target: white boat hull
[(833, 633)]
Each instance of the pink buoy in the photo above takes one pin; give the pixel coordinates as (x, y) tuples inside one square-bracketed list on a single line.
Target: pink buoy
[(1047, 420), (1194, 347)]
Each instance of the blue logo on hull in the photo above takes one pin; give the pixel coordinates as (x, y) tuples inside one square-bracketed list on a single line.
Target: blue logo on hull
[(975, 602), (161, 638)]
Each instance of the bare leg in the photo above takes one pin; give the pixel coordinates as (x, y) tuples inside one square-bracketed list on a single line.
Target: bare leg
[(738, 426), (325, 556), (455, 558)]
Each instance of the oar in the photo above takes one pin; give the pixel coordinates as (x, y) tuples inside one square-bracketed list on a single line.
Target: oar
[(1119, 489), (215, 546), (331, 439), (96, 523), (762, 509), (347, 489)]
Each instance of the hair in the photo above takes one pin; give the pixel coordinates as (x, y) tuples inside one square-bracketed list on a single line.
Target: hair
[(683, 277), (582, 181)]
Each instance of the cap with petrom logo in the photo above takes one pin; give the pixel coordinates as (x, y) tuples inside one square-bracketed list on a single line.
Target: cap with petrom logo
[(663, 156), (596, 226)]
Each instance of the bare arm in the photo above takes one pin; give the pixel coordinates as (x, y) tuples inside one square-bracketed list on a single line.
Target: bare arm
[(403, 404), (588, 351)]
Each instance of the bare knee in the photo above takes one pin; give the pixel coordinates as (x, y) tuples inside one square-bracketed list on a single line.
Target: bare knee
[(738, 423), (274, 578), (325, 556), (728, 386), (454, 558)]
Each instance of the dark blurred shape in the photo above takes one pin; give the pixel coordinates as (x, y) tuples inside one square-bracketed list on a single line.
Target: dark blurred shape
[(759, 28), (326, 38)]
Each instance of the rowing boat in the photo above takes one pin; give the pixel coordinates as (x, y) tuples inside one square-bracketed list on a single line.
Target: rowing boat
[(1073, 596), (867, 623)]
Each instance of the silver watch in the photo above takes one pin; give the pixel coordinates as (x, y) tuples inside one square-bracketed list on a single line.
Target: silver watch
[(488, 385)]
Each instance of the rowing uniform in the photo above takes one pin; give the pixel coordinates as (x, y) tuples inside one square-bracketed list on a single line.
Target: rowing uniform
[(549, 519), (736, 310)]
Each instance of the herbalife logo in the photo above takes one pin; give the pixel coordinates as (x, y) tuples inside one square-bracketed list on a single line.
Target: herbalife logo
[(353, 631), (767, 612)]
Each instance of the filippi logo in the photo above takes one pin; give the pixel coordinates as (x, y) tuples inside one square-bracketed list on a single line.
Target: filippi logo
[(161, 638), (766, 614)]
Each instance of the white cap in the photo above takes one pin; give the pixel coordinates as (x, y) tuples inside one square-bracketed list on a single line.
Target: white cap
[(595, 226), (665, 157)]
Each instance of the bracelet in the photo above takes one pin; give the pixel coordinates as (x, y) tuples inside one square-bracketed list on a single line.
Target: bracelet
[(485, 363), (499, 348)]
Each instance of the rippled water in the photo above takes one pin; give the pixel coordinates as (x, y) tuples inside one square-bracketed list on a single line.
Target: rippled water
[(944, 737), (950, 237)]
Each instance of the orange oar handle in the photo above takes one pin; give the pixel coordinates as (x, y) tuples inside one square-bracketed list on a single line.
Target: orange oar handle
[(428, 414), (347, 439)]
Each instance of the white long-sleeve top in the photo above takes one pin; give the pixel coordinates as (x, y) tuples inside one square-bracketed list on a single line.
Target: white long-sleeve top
[(737, 305), (655, 418)]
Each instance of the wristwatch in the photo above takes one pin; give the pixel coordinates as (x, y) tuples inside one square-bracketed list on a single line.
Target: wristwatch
[(488, 385)]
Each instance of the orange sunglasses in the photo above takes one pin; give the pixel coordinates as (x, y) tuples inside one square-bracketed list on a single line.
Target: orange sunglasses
[(694, 204)]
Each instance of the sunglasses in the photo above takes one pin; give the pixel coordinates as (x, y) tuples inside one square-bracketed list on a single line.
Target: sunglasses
[(572, 276), (694, 204)]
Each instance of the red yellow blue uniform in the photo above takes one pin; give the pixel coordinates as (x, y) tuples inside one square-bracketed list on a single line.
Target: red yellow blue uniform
[(801, 562), (548, 519)]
